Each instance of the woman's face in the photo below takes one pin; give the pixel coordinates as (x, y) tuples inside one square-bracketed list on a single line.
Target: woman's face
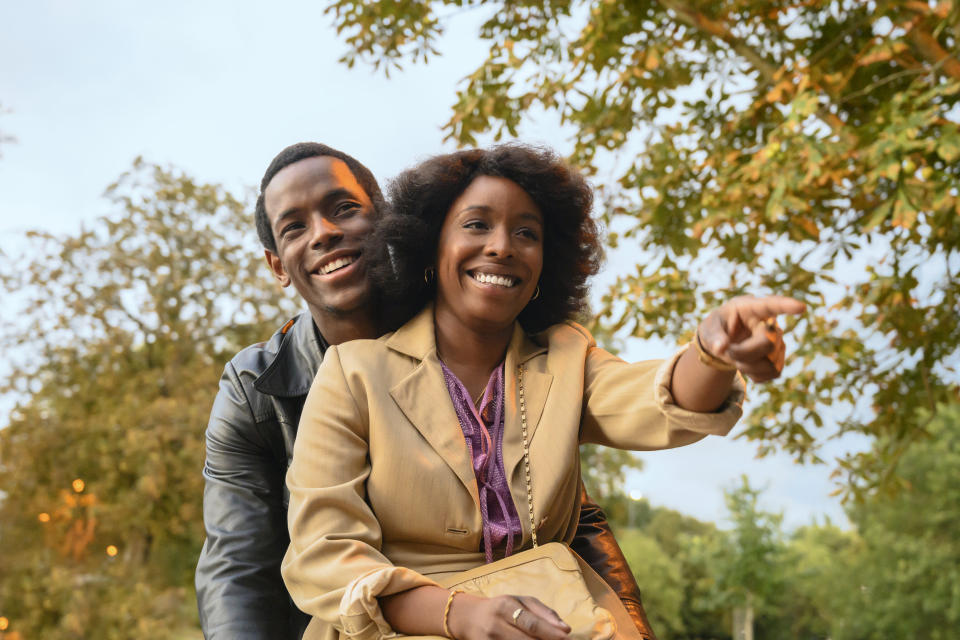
[(489, 256)]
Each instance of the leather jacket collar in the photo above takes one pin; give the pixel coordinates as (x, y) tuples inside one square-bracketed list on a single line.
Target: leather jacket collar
[(299, 350)]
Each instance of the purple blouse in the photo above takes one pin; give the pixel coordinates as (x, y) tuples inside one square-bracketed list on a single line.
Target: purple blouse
[(483, 431)]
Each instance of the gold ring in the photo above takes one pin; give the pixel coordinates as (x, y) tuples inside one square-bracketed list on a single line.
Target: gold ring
[(516, 614), (771, 324)]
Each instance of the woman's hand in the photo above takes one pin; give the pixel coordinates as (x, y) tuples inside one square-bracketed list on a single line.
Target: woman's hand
[(744, 334), (504, 617), (741, 334)]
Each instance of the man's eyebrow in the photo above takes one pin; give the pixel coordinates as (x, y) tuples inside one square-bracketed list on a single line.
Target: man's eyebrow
[(286, 214)]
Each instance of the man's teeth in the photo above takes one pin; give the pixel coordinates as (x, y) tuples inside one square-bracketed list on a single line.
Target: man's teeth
[(339, 263), (489, 278)]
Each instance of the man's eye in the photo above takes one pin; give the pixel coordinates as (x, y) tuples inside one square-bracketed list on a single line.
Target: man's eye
[(345, 207), (290, 227)]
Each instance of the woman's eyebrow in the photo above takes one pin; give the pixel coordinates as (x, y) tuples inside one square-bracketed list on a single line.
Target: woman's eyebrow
[(532, 216), (475, 207)]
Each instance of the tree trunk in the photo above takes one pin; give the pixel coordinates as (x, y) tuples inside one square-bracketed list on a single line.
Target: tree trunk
[(743, 620)]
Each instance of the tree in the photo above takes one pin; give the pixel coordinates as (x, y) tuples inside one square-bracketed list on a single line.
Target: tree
[(909, 568), (693, 545), (661, 581), (820, 567), (805, 148), (116, 339), (750, 566)]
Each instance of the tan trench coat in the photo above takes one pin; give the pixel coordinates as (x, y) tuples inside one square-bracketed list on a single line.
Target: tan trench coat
[(382, 490)]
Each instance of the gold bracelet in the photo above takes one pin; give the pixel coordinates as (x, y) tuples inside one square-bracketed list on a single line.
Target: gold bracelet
[(708, 358), (446, 614)]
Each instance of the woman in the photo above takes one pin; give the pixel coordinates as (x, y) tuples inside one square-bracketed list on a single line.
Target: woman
[(490, 251)]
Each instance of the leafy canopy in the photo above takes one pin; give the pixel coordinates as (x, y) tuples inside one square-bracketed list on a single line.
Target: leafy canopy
[(801, 148)]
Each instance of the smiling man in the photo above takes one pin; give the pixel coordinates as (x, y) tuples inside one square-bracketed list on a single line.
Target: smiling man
[(316, 207)]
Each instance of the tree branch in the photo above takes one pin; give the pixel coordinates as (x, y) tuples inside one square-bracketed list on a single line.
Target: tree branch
[(931, 51), (720, 30)]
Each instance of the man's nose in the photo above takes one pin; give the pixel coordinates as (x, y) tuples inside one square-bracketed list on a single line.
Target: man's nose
[(325, 232)]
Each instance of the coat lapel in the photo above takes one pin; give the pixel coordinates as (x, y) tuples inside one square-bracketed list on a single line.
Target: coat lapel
[(424, 400)]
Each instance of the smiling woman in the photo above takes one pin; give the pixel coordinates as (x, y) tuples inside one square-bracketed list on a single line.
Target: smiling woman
[(489, 259), (454, 441), (557, 196)]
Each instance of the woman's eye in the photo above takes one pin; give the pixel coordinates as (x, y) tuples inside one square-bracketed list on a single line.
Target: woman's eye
[(529, 233), (474, 224)]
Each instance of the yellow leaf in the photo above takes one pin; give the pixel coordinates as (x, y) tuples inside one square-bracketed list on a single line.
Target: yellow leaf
[(809, 226), (652, 60)]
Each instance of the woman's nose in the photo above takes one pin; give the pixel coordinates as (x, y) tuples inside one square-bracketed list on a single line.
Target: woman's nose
[(499, 243)]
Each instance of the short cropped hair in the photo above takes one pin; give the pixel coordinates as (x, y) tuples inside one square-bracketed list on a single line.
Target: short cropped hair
[(404, 244), (302, 151)]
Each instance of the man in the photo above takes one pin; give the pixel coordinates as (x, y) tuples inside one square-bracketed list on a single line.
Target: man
[(315, 208)]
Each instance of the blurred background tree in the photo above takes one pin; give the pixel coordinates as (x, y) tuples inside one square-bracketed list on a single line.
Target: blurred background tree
[(893, 575), (909, 562), (119, 338), (803, 148)]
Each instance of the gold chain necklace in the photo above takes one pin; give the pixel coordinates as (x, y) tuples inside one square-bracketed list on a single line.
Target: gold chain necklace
[(526, 456)]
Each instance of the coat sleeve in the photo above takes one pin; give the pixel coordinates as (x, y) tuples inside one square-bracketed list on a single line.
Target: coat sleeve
[(240, 593), (630, 405), (333, 567), (595, 543)]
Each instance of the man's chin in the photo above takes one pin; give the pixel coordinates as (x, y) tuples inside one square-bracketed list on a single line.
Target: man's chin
[(346, 306)]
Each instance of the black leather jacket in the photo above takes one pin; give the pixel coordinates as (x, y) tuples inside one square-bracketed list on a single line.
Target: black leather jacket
[(250, 437)]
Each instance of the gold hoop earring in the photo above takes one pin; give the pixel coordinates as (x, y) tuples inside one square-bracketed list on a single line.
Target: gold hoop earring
[(428, 274), (536, 293)]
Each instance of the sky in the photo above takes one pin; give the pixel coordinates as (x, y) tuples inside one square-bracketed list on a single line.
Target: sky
[(217, 88)]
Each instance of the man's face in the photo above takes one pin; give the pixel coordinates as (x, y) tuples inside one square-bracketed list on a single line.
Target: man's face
[(319, 215)]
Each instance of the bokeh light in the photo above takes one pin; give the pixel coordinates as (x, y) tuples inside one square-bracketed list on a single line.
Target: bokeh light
[(43, 517), (112, 550), (78, 485), (4, 623)]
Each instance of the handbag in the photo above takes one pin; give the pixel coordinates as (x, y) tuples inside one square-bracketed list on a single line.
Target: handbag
[(553, 574)]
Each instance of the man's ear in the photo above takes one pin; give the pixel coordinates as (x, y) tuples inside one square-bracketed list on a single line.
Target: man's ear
[(273, 261)]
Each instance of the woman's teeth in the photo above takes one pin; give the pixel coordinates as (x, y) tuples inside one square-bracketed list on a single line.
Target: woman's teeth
[(339, 263), (489, 278)]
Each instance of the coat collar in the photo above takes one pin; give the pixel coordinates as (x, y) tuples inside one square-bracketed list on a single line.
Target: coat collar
[(417, 338), (297, 359), (417, 396)]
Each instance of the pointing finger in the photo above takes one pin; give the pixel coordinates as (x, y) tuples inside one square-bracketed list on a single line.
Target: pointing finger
[(762, 308)]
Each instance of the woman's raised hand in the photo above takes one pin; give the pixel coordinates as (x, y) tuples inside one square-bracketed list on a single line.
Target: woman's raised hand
[(504, 618), (744, 334)]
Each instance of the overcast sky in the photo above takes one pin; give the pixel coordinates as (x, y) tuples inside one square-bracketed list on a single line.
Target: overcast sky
[(217, 88)]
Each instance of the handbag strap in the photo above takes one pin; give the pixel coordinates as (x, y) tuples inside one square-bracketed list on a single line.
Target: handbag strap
[(526, 457)]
